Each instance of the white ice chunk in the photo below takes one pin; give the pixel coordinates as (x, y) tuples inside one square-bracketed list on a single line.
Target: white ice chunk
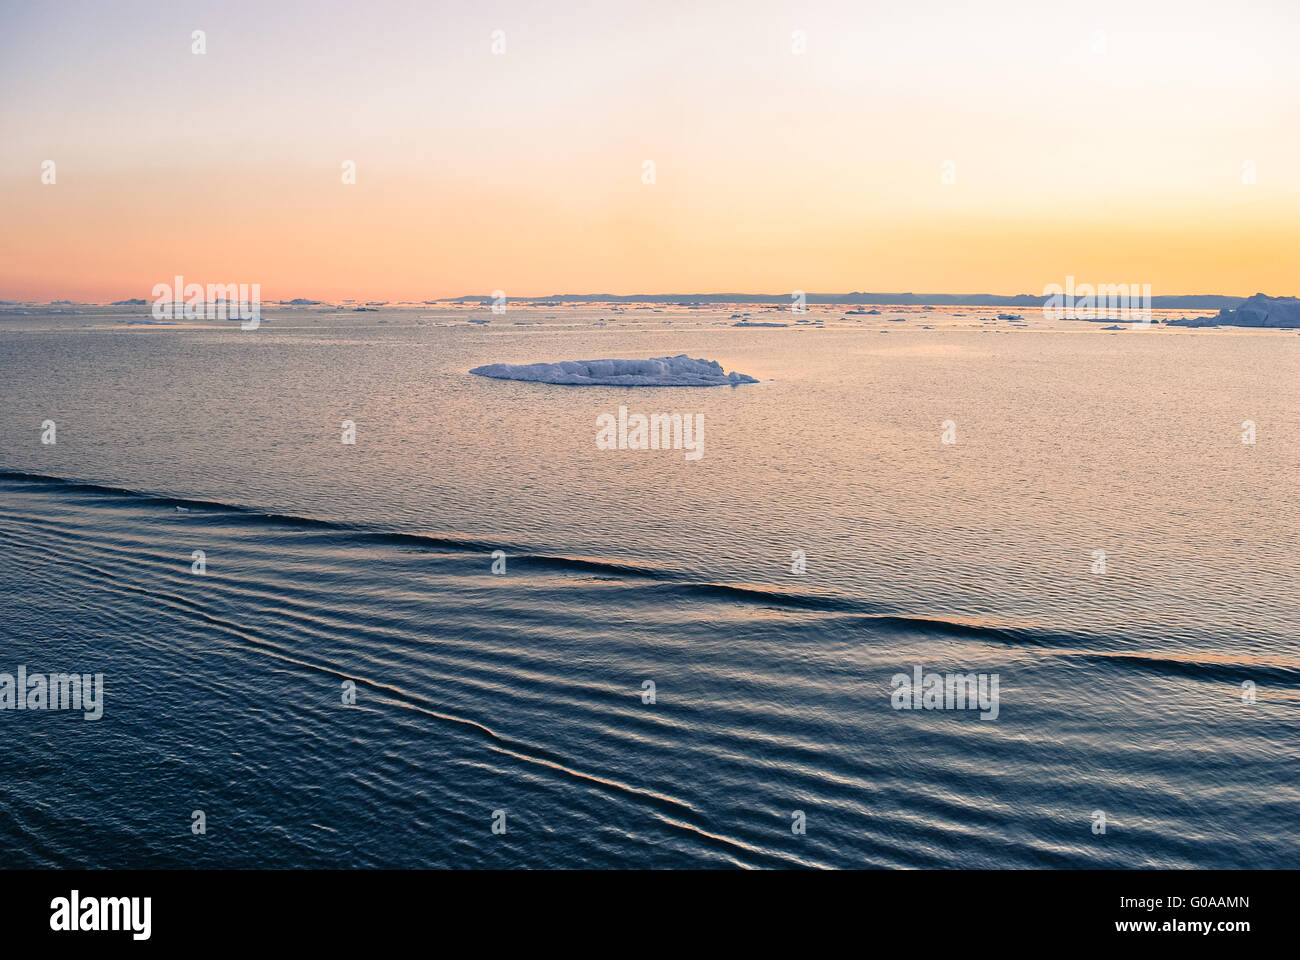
[(679, 371)]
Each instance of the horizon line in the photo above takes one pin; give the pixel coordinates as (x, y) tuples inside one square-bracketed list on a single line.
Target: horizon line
[(882, 298)]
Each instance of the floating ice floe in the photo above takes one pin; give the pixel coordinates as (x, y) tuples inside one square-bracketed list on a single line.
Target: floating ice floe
[(679, 371)]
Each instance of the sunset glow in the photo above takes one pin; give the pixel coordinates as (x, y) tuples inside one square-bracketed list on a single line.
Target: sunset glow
[(1110, 142)]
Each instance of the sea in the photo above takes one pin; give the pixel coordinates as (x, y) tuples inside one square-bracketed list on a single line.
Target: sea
[(354, 607)]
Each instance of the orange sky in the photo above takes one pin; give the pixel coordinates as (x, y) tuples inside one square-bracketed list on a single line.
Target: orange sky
[(1112, 142)]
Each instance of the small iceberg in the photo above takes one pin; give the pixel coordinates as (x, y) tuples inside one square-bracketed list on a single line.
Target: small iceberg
[(679, 371)]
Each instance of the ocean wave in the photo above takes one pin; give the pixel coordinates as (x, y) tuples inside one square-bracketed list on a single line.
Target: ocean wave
[(658, 585)]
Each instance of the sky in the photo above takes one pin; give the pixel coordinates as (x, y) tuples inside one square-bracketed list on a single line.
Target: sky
[(919, 146)]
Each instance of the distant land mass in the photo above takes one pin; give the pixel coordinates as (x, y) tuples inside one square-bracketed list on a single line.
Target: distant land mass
[(1188, 302), (1259, 310)]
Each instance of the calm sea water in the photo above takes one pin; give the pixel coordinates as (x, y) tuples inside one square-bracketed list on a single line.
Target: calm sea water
[(1121, 691)]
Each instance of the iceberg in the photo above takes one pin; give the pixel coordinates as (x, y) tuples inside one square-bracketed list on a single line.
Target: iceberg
[(679, 371), (1257, 311)]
